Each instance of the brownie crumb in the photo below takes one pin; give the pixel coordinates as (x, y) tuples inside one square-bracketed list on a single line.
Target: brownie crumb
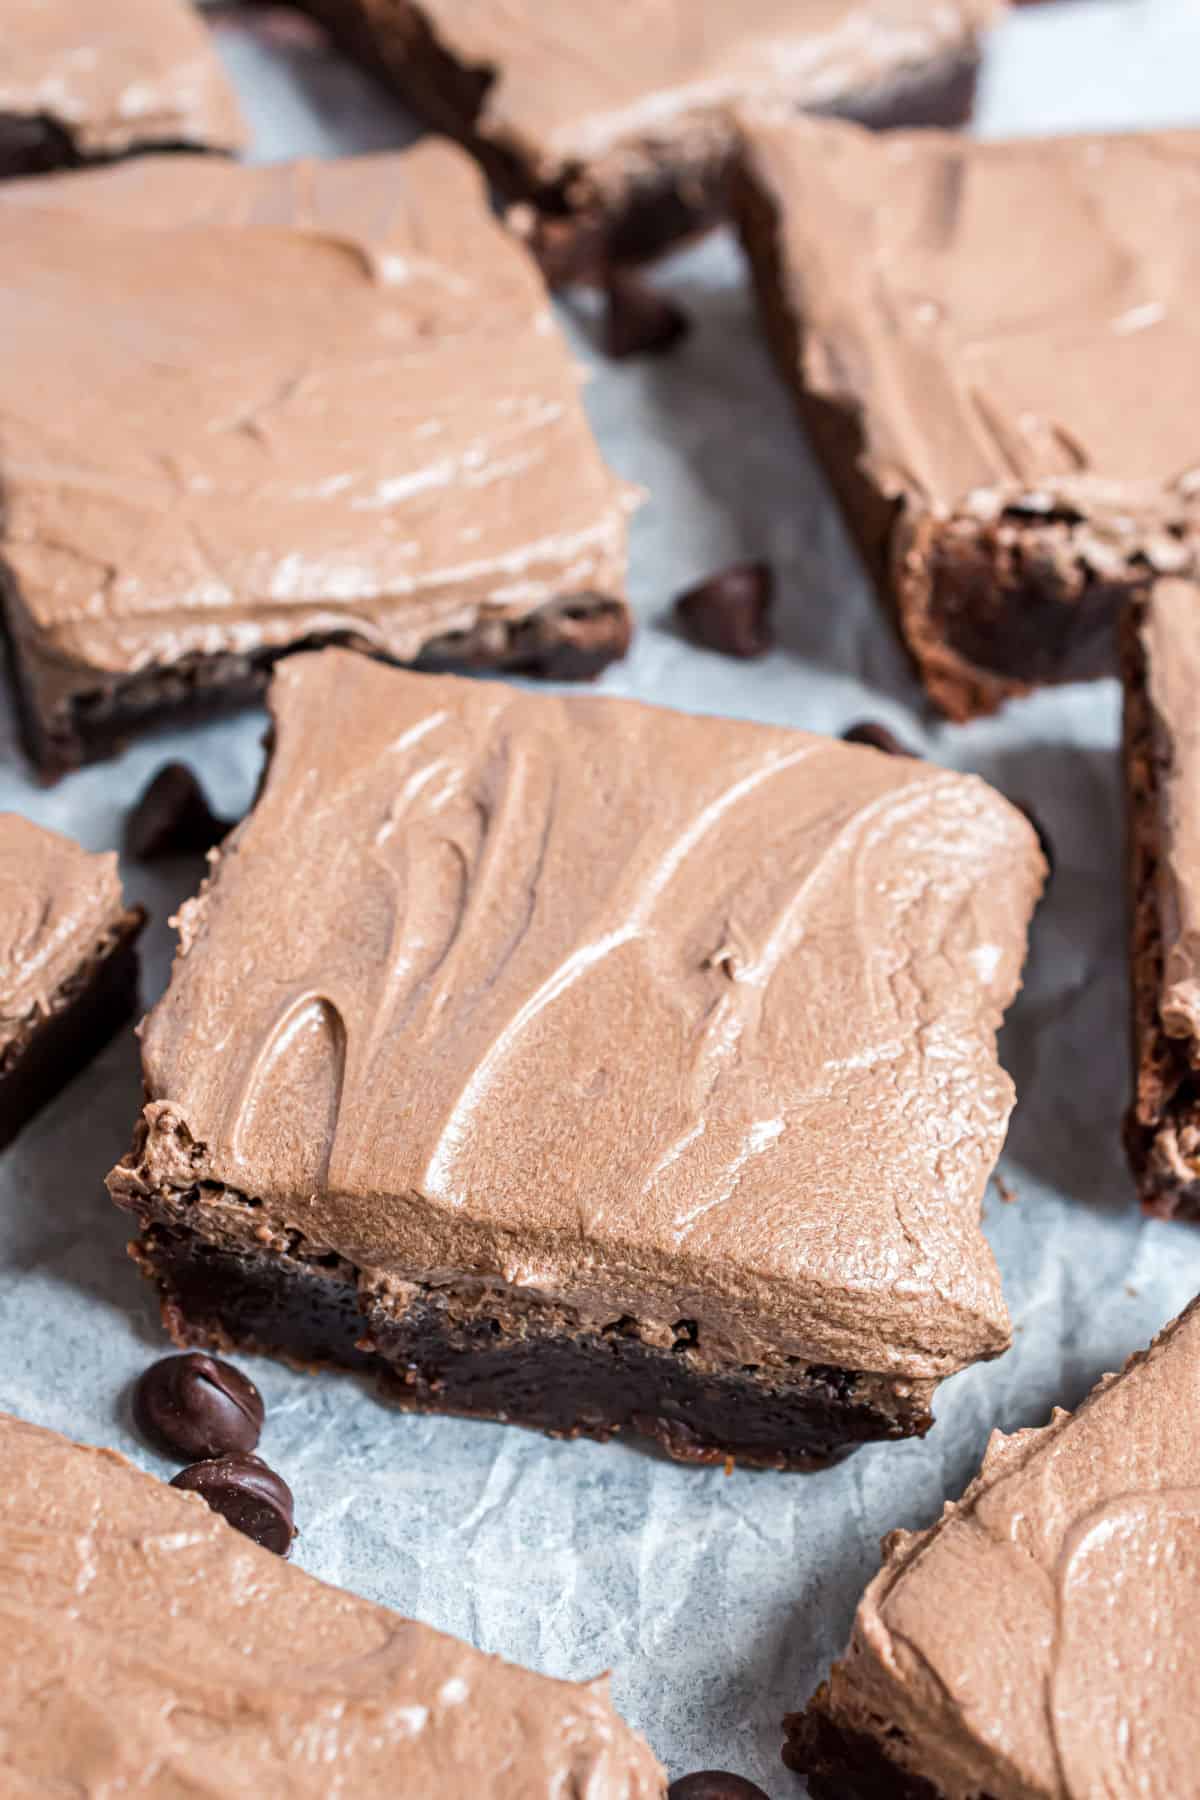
[(730, 611), (172, 818), (640, 321)]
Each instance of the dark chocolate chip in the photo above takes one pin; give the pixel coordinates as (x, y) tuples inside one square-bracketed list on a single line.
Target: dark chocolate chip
[(877, 737), (248, 1495), (172, 818), (640, 321), (730, 611), (196, 1406), (715, 1784)]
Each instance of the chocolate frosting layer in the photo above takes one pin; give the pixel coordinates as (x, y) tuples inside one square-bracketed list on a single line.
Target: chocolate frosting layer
[(1054, 366), (116, 74), (58, 903), (242, 408), (644, 1015), (1041, 1640), (1170, 633), (163, 1653), (571, 85)]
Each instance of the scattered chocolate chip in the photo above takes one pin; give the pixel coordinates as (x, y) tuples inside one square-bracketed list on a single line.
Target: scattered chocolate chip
[(248, 1495), (196, 1406), (714, 1784), (877, 737), (640, 321), (730, 612), (172, 818)]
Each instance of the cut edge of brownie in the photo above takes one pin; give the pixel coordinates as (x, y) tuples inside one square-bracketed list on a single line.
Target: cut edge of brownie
[(989, 606), (52, 1045), (844, 1764), (575, 232), (433, 1348), (569, 639), (1166, 1097)]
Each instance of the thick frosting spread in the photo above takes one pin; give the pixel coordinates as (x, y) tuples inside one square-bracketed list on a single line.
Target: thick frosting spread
[(610, 1007), (163, 1653), (117, 74), (57, 903), (300, 400), (1042, 1639), (571, 84), (1170, 634), (1054, 365)]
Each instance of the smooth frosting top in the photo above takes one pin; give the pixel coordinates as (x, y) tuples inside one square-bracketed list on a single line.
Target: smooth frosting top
[(56, 904), (162, 1653), (1008, 319), (303, 399), (115, 74), (655, 1015), (1042, 1639), (1170, 634), (574, 82)]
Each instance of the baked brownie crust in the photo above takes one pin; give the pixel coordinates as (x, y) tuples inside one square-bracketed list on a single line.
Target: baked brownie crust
[(1004, 514), (1162, 1126), (592, 194)]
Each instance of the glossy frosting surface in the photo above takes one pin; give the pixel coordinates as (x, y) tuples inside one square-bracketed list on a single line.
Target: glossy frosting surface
[(115, 74), (1042, 1639), (300, 399), (1010, 319), (575, 82), (164, 1654), (647, 1014), (56, 904), (1170, 632)]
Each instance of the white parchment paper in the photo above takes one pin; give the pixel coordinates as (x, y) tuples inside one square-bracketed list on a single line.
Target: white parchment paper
[(717, 1601)]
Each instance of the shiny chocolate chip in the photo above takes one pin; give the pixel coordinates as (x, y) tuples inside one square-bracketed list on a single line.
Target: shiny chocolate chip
[(876, 737), (172, 818), (715, 1784), (640, 321), (197, 1406), (248, 1495), (730, 612)]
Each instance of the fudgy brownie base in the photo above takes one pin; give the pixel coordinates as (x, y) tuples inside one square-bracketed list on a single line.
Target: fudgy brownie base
[(440, 1354), (987, 609), (569, 640), (575, 233), (87, 1011), (1162, 1126), (847, 1765)]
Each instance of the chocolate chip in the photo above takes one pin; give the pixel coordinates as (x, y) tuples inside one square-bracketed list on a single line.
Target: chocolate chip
[(246, 1493), (877, 737), (640, 321), (714, 1784), (172, 818), (196, 1406), (730, 611)]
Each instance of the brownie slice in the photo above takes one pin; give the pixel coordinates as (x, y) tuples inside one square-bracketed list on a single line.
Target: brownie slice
[(254, 409), (998, 362), (613, 124), (1040, 1641), (68, 972), (1160, 644), (591, 1066), (164, 1653), (88, 80)]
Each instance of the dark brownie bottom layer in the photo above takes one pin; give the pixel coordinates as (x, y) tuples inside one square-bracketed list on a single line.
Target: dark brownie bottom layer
[(570, 640), (1162, 1126), (85, 1013), (848, 1765), (577, 237), (525, 1371), (36, 144)]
